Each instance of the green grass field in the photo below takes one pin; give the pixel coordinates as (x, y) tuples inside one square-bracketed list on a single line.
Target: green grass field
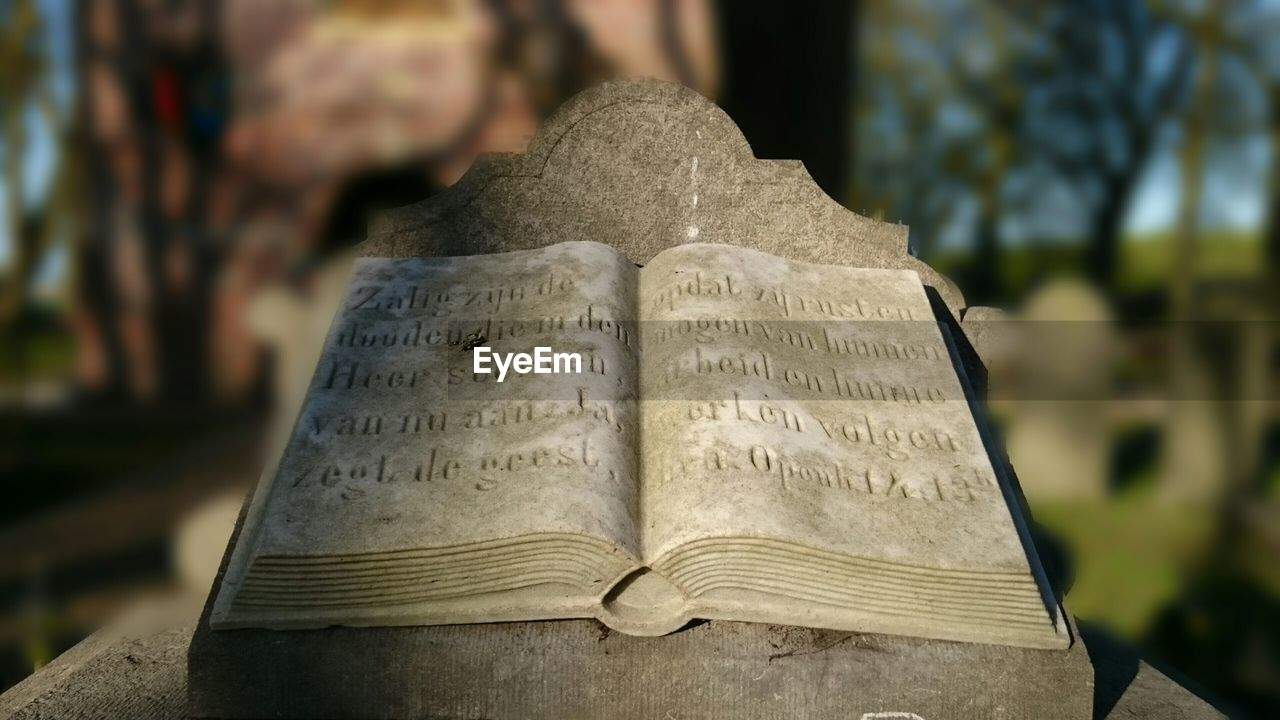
[(1146, 262), (1131, 555)]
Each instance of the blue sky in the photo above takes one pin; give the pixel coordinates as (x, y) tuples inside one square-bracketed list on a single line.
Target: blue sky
[(40, 154), (1234, 190)]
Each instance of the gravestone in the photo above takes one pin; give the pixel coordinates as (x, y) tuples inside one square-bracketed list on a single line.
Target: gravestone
[(293, 323), (1059, 432), (641, 167), (1194, 454)]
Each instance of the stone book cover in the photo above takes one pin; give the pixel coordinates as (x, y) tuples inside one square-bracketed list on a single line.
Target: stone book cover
[(558, 433)]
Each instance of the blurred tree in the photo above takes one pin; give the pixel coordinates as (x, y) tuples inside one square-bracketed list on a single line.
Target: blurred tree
[(1003, 102), (1273, 203), (896, 120), (1228, 103), (1226, 363), (952, 77), (24, 87), (19, 69), (155, 86), (1259, 43), (1122, 71)]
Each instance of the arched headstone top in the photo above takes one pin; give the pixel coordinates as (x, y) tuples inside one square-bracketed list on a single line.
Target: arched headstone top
[(642, 166)]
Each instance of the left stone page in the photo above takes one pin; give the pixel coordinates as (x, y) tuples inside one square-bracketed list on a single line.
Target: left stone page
[(401, 447)]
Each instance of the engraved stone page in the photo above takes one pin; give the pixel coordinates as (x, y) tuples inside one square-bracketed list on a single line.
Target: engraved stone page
[(400, 446), (811, 405)]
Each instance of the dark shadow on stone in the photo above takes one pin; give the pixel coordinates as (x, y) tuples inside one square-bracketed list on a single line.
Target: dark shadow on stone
[(694, 623), (1056, 558), (973, 365), (1052, 554), (1224, 630), (1115, 665)]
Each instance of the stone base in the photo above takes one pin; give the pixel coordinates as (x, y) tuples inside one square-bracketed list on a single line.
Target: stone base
[(578, 669), (139, 672), (570, 669)]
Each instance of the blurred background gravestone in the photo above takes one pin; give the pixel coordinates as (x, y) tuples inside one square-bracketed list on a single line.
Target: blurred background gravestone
[(1058, 432)]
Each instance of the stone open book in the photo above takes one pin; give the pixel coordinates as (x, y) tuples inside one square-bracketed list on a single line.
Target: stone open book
[(748, 438)]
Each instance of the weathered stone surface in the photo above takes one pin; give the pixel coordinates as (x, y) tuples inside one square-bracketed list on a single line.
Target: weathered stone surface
[(643, 166), (822, 415), (811, 457), (139, 672), (133, 668), (409, 493), (578, 669)]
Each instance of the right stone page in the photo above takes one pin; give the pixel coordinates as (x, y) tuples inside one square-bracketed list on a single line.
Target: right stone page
[(810, 455)]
